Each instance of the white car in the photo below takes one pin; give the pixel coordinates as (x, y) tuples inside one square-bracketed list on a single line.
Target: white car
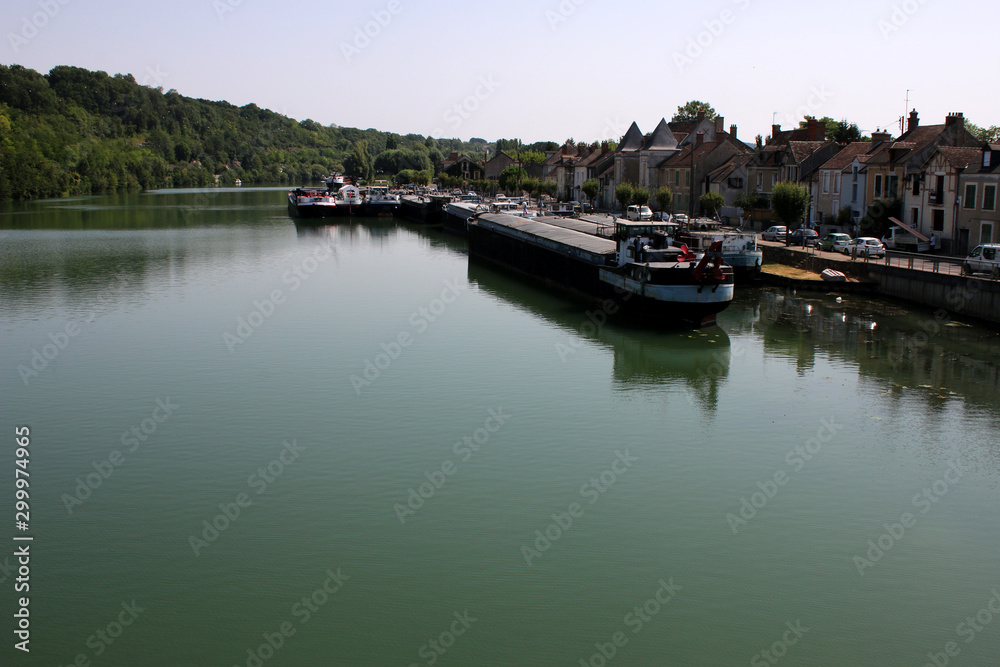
[(638, 213), (983, 259), (776, 233), (864, 246)]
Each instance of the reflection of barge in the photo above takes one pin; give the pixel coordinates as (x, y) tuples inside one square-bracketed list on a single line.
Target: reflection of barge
[(635, 271)]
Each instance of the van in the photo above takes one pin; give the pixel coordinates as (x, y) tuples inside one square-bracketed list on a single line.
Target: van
[(983, 259), (638, 213)]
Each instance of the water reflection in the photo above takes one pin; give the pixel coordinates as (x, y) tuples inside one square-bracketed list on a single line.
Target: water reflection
[(697, 361), (904, 349)]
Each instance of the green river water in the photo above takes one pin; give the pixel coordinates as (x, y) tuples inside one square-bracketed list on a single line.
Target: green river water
[(254, 444)]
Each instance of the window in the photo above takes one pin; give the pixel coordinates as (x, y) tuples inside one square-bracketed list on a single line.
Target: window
[(878, 186), (916, 186), (826, 182), (854, 193), (836, 182), (836, 207), (760, 181), (687, 177), (986, 158), (987, 233), (854, 174), (938, 224), (989, 197), (914, 217), (969, 201), (892, 186), (677, 177)]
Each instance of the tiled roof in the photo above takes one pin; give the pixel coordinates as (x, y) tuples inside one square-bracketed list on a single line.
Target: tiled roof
[(962, 157), (683, 157), (802, 149), (846, 156)]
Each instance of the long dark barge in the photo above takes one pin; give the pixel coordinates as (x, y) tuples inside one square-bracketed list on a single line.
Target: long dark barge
[(635, 272)]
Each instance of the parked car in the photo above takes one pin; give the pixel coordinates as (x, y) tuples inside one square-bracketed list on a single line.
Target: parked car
[(639, 213), (804, 237), (834, 242), (864, 246), (775, 233), (680, 219), (983, 259)]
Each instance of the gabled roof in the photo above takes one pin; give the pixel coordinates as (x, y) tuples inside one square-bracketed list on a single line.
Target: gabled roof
[(723, 172), (682, 158), (632, 141), (800, 150), (961, 157), (846, 156), (662, 138)]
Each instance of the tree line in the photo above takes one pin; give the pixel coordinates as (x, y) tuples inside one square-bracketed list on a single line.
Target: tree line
[(75, 131)]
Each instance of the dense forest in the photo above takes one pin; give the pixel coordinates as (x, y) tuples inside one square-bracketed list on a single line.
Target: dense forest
[(74, 131)]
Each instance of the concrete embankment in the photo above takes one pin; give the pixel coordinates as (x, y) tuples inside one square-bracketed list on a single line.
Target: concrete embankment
[(972, 296)]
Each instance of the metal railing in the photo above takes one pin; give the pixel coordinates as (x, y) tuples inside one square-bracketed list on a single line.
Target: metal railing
[(923, 262)]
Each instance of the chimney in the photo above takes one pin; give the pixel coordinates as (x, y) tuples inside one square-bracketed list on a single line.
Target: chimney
[(815, 130), (913, 122), (701, 116), (720, 124), (699, 138), (732, 132), (604, 147), (775, 131), (878, 136), (955, 119)]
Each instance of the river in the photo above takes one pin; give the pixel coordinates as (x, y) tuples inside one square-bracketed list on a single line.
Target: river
[(253, 443)]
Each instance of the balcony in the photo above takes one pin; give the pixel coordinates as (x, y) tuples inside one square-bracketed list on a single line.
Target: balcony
[(935, 198)]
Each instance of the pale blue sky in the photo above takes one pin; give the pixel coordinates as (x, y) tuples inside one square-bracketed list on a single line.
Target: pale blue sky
[(535, 70)]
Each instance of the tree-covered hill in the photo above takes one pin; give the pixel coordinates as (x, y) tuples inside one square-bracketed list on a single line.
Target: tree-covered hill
[(74, 131)]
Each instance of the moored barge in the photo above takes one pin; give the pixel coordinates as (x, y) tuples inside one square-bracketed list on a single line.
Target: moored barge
[(634, 272)]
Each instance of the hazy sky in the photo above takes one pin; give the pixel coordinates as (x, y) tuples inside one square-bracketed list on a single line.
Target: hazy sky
[(535, 70)]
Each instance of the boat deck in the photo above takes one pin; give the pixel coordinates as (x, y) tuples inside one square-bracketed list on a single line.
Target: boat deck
[(586, 246), (579, 225)]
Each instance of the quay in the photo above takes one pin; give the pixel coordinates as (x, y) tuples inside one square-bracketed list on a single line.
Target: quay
[(932, 281)]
